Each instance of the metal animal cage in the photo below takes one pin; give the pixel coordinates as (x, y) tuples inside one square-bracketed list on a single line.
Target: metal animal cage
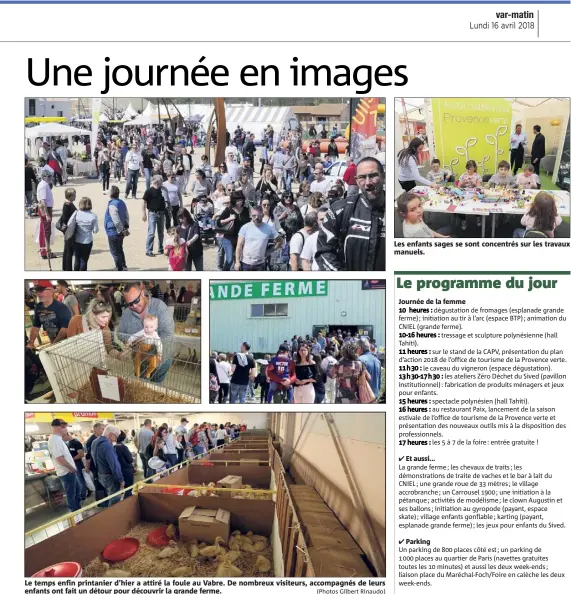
[(75, 366)]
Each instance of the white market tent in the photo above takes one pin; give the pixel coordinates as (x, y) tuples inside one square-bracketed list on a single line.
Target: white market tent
[(143, 120), (54, 129), (131, 112), (250, 117)]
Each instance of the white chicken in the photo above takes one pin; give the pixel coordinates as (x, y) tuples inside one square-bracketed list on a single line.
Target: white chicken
[(118, 573), (185, 570), (263, 564), (214, 550), (169, 551)]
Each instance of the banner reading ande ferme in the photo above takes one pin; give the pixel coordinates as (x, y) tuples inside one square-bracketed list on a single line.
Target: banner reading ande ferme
[(268, 289)]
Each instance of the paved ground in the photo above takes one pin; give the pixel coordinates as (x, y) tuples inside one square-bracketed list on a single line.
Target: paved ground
[(100, 258)]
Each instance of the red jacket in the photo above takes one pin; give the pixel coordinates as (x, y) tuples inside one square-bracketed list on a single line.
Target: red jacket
[(349, 175)]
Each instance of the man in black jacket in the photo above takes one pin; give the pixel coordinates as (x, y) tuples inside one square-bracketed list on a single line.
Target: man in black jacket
[(353, 233), (538, 148)]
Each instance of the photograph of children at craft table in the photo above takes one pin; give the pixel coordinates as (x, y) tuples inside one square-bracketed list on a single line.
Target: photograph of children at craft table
[(482, 167), (203, 494), (105, 341)]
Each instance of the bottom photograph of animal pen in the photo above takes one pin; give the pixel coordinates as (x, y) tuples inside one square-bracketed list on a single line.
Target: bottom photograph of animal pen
[(257, 494), (132, 342)]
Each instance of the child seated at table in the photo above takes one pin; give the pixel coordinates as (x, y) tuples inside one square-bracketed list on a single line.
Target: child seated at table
[(527, 180), (470, 179), (542, 217), (503, 177), (409, 209), (437, 175)]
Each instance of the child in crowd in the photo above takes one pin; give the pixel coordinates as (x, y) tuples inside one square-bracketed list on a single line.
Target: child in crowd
[(437, 175), (503, 176), (470, 179), (175, 249), (527, 180), (410, 210), (542, 216), (148, 347)]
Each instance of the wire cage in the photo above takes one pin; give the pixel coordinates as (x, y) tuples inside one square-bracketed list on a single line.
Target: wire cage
[(144, 373), (187, 318)]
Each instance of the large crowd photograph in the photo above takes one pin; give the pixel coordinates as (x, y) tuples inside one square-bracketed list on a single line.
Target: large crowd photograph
[(297, 342), (205, 184)]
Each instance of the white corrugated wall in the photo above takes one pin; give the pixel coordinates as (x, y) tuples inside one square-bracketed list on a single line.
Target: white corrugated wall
[(231, 324)]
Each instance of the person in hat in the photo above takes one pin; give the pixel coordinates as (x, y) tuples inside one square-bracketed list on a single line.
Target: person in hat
[(49, 314), (66, 469), (104, 458)]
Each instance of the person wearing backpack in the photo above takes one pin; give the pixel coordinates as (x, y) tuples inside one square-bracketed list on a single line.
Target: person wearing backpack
[(353, 234), (298, 240), (194, 440)]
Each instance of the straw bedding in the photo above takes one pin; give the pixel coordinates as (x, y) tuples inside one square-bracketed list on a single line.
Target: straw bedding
[(146, 563), (136, 392)]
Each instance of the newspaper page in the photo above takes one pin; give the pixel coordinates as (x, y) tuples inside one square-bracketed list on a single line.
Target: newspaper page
[(296, 295)]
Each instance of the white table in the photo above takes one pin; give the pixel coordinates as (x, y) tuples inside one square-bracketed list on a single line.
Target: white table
[(469, 206)]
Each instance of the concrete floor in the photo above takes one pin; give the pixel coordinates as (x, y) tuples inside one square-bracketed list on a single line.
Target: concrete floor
[(134, 245), (44, 513)]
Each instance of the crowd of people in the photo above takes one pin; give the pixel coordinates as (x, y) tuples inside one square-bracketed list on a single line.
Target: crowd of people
[(247, 204), (127, 315), (105, 465), (339, 368)]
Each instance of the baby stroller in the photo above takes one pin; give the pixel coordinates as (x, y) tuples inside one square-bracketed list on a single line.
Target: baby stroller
[(277, 259), (207, 229)]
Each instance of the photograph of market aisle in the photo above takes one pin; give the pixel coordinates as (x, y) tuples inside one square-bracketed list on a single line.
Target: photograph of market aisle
[(106, 341), (219, 184), (196, 494), (482, 167), (297, 342), (483, 366)]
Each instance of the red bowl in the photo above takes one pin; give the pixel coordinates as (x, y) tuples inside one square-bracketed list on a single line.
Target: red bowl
[(66, 569), (158, 537), (120, 549)]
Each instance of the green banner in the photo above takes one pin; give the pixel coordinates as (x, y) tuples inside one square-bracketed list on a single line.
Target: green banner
[(268, 289), (471, 129)]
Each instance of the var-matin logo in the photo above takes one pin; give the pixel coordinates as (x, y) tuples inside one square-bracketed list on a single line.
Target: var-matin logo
[(522, 21)]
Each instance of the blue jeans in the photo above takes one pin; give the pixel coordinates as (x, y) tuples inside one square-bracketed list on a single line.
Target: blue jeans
[(198, 450), (147, 173), (172, 460), (156, 223), (288, 179), (255, 267), (116, 249), (81, 485), (71, 488), (110, 484), (225, 254), (274, 387), (238, 393), (132, 178)]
